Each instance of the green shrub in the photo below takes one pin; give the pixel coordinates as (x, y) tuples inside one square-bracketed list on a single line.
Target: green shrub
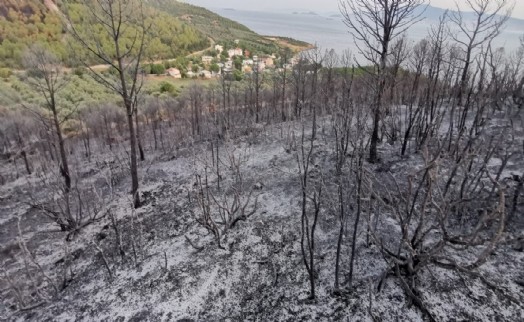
[(111, 71), (79, 71), (166, 87), (34, 73), (158, 69), (146, 69), (214, 68), (211, 53), (238, 75), (5, 73)]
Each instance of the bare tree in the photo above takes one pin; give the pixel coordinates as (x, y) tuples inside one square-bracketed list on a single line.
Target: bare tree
[(196, 99), (489, 18), (284, 61), (312, 196), (299, 84), (418, 59), (374, 24), (331, 61), (258, 79), (219, 209), (15, 129), (46, 78), (518, 75), (433, 90), (315, 58), (226, 79), (123, 23)]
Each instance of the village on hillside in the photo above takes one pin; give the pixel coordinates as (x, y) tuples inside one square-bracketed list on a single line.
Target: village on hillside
[(221, 60)]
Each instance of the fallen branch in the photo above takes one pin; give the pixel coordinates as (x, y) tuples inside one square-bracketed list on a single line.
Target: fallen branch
[(104, 258), (32, 307), (498, 290), (198, 248), (411, 293)]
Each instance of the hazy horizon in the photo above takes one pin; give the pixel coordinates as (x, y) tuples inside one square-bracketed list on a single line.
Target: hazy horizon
[(332, 5)]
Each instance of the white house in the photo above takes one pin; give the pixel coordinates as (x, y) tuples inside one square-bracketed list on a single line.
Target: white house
[(174, 72), (219, 48), (207, 59), (268, 61), (235, 52)]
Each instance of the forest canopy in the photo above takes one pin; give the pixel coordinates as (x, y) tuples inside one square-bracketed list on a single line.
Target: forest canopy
[(29, 21)]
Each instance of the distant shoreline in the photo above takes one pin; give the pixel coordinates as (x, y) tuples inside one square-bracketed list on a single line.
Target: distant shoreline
[(293, 44)]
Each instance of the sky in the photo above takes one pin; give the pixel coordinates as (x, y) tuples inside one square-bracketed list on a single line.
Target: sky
[(319, 5)]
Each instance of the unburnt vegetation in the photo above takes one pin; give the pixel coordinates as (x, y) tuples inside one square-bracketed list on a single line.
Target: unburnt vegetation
[(23, 23), (326, 190)]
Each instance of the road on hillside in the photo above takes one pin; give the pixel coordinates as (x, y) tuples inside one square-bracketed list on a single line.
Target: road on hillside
[(102, 67), (197, 53)]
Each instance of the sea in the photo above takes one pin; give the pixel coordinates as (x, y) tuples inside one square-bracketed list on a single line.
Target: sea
[(328, 31)]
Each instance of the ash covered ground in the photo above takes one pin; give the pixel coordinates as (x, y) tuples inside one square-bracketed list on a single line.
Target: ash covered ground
[(157, 263)]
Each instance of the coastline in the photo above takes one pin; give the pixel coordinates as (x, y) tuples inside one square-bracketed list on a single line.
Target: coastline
[(295, 45)]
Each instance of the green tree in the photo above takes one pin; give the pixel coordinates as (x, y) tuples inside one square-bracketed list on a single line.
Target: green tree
[(237, 62), (214, 68), (238, 75)]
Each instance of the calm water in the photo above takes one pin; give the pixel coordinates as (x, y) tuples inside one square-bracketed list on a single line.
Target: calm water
[(328, 31)]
